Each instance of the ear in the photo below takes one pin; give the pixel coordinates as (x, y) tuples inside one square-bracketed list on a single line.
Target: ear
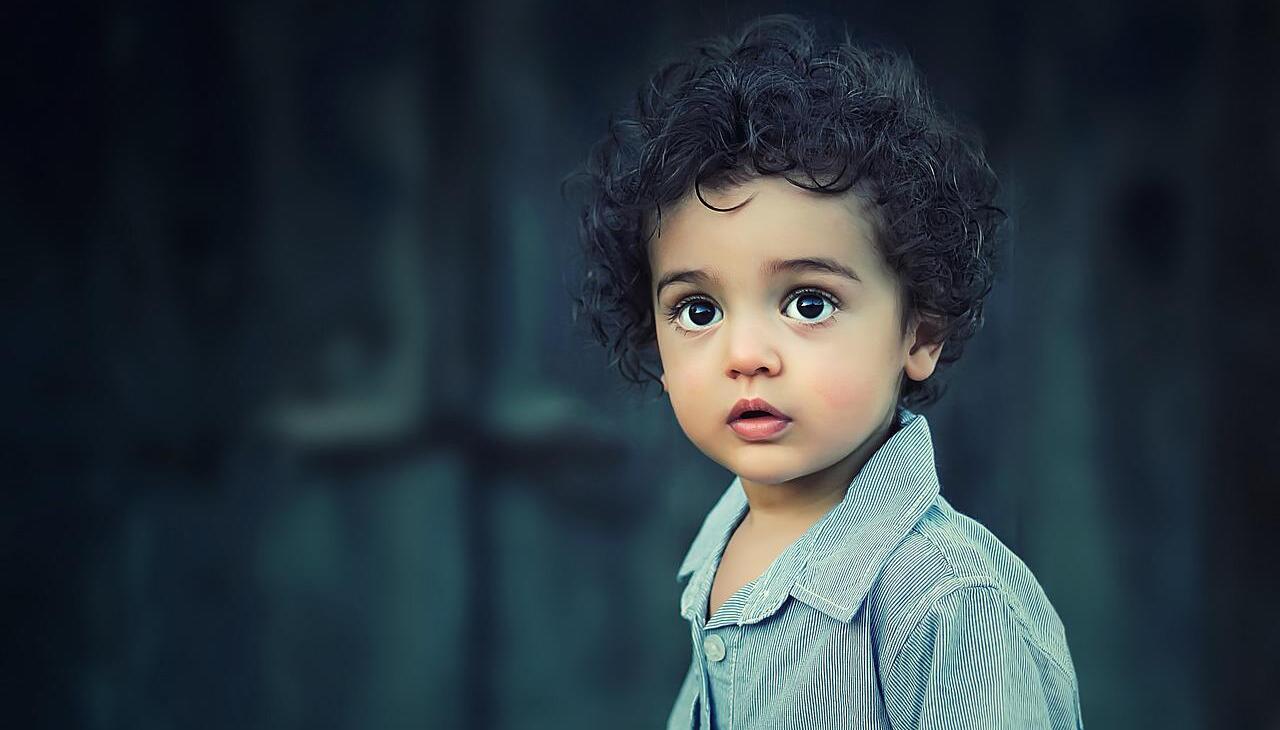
[(663, 378), (923, 356)]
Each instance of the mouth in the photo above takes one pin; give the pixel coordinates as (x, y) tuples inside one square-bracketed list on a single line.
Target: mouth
[(755, 419), (750, 408)]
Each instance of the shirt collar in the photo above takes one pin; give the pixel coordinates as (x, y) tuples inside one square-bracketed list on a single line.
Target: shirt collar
[(833, 566)]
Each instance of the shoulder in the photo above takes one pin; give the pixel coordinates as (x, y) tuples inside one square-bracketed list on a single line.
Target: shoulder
[(949, 567)]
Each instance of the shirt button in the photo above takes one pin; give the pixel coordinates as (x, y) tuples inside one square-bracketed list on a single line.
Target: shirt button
[(714, 646)]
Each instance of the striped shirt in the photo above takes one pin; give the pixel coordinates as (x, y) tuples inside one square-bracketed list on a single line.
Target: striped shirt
[(892, 611)]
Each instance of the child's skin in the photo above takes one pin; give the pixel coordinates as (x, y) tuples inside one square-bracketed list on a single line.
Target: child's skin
[(837, 379)]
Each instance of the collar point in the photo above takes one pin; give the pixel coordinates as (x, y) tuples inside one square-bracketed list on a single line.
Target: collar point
[(843, 612)]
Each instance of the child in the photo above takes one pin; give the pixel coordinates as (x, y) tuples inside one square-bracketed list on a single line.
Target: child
[(805, 241)]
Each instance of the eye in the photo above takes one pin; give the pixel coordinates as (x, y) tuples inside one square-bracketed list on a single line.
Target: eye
[(695, 314), (811, 306)]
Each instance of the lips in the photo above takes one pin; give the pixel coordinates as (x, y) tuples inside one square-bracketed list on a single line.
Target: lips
[(745, 406), (754, 419)]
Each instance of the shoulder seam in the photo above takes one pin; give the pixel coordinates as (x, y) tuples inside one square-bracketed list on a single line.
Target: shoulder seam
[(1017, 613), (946, 588), (926, 602)]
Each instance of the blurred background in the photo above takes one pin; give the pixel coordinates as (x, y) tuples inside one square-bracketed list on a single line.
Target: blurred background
[(299, 434)]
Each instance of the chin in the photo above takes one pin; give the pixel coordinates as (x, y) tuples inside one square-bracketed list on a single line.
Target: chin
[(776, 468), (760, 473), (762, 463)]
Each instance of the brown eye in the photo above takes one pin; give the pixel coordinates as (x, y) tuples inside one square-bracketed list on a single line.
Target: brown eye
[(701, 314), (811, 307), (696, 314)]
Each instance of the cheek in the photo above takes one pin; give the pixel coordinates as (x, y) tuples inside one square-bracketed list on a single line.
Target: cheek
[(846, 393), (694, 411), (853, 380), (688, 386), (683, 364), (688, 392)]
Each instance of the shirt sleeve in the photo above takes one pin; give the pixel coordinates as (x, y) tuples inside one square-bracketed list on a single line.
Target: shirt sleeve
[(968, 664)]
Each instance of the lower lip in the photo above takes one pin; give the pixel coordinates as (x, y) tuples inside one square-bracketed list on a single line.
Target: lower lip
[(758, 429)]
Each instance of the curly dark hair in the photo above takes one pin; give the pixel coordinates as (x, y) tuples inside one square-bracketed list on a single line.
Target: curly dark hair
[(769, 101)]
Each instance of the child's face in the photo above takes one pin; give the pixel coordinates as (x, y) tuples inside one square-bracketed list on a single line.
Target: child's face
[(832, 368)]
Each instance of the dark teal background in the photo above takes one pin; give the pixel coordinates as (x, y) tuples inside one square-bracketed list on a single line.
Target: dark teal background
[(298, 432)]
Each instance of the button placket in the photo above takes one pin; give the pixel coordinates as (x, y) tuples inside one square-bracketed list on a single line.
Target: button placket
[(702, 707), (716, 650)]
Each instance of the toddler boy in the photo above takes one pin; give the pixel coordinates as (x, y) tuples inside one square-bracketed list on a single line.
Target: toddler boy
[(803, 241)]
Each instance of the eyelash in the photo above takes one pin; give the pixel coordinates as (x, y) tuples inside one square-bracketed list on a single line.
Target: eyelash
[(673, 312)]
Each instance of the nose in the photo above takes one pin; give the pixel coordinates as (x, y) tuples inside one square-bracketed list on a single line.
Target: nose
[(751, 351)]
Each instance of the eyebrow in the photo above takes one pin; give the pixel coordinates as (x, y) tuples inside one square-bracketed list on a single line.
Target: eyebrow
[(771, 267)]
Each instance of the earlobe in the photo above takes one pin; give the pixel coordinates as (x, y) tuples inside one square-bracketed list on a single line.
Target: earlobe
[(663, 379), (922, 359)]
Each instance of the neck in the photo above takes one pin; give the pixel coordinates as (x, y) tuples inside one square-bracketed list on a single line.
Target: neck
[(801, 501)]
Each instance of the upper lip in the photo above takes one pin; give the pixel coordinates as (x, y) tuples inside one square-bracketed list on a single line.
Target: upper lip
[(754, 404)]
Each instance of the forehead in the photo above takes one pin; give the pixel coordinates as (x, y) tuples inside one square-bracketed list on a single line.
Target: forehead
[(775, 219)]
